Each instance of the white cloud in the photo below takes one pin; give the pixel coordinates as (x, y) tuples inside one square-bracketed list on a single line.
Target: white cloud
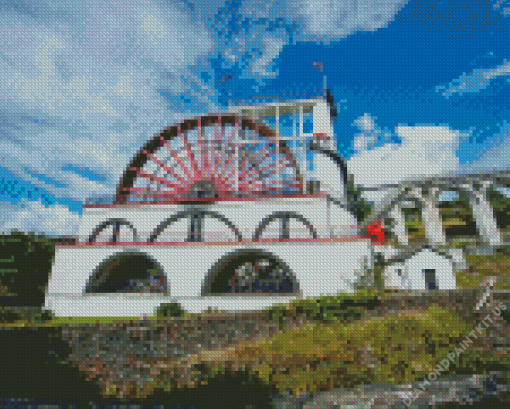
[(81, 82), (66, 84), (425, 151), (365, 123), (33, 216), (370, 133), (496, 157), (337, 19), (475, 81), (291, 21), (272, 48), (503, 6)]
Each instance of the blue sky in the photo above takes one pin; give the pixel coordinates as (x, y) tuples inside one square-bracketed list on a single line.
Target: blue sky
[(421, 87)]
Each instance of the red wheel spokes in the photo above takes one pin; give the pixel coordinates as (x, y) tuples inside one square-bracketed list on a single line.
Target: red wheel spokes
[(178, 160), (159, 179), (231, 156), (248, 174), (203, 148), (191, 156), (173, 174), (164, 167), (219, 156), (216, 145)]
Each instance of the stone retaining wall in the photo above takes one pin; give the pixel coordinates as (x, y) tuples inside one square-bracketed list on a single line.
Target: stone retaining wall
[(171, 338), (462, 302), (178, 337)]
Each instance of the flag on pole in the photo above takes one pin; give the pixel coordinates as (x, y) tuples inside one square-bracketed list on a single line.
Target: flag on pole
[(376, 233), (318, 65)]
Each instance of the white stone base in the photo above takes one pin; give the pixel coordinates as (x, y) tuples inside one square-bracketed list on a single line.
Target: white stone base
[(133, 305)]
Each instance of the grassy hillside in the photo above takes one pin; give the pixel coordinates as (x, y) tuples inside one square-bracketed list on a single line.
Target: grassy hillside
[(320, 356)]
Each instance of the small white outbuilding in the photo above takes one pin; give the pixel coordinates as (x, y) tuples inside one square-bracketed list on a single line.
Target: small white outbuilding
[(423, 268)]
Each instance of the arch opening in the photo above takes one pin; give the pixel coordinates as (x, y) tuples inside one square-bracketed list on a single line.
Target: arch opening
[(128, 272), (250, 272)]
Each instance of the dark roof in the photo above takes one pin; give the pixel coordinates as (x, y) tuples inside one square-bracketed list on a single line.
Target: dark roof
[(410, 251)]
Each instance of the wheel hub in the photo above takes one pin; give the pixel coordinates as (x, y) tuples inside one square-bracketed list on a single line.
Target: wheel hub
[(203, 189)]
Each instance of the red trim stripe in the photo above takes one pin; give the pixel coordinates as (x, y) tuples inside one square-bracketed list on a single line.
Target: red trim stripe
[(219, 199), (344, 239)]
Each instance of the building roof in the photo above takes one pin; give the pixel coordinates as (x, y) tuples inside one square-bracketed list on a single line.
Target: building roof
[(400, 254)]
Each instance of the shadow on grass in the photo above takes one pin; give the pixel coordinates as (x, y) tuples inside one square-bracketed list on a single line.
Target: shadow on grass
[(31, 368), (229, 390)]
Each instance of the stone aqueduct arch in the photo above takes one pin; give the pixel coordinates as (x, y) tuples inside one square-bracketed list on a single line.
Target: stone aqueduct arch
[(482, 212)]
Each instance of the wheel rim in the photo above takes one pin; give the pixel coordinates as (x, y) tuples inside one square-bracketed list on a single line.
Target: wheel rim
[(197, 158), (196, 231), (116, 235), (283, 219)]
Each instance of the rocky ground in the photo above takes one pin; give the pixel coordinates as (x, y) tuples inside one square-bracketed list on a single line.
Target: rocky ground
[(464, 389)]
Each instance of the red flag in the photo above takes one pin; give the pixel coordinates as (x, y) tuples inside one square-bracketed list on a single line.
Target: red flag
[(376, 233)]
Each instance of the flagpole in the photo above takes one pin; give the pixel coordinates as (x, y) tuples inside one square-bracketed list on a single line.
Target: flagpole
[(320, 66)]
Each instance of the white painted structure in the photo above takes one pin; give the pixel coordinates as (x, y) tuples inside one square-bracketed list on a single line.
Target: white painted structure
[(427, 192), (311, 234), (326, 217), (319, 269), (424, 268)]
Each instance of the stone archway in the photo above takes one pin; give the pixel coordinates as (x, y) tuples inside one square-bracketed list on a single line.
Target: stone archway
[(128, 272), (428, 204), (250, 271)]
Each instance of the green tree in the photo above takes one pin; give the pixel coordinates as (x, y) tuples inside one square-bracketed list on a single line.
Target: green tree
[(25, 267), (360, 206)]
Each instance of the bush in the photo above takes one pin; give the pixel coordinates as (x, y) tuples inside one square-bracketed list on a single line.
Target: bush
[(171, 309), (342, 307), (43, 316), (214, 310), (9, 315), (26, 263)]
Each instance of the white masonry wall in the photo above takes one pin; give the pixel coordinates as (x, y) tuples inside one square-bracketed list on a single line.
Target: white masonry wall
[(322, 122), (319, 268), (245, 215), (445, 277), (395, 276)]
